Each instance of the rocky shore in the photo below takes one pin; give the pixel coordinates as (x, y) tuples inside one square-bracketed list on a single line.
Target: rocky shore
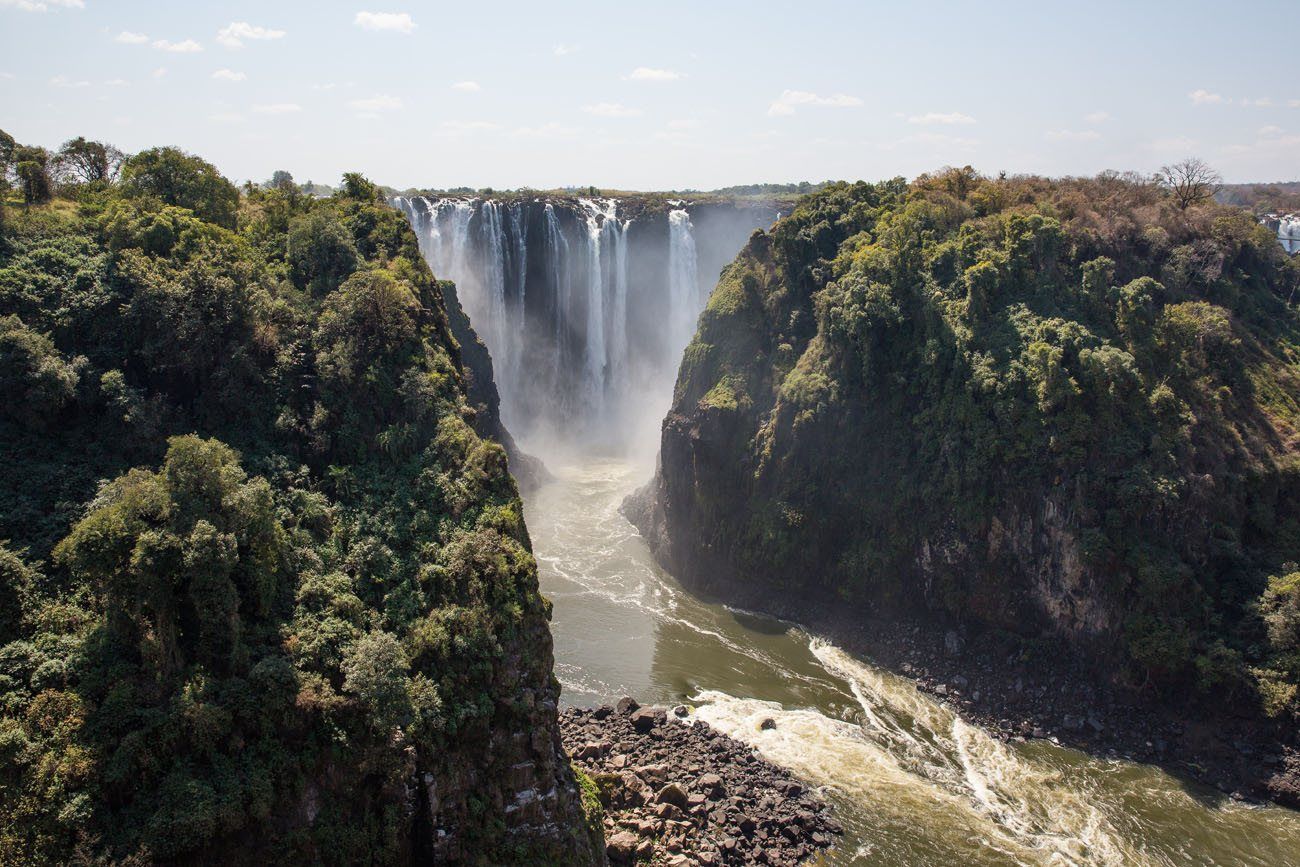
[(677, 792)]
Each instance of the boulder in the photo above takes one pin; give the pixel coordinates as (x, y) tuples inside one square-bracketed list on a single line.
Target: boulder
[(711, 784), (645, 719), (675, 795), (767, 724), (627, 704), (621, 847)]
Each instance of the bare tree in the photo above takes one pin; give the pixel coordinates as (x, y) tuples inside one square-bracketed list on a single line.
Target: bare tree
[(1190, 181)]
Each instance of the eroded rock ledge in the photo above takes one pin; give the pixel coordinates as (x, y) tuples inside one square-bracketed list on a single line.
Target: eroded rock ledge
[(675, 791)]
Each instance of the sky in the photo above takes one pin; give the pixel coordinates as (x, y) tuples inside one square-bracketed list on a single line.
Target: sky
[(660, 94)]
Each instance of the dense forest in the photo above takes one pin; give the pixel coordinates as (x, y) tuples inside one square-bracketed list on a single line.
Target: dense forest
[(264, 588), (1063, 409)]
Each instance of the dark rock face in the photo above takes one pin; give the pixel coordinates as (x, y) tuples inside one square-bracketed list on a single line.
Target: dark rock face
[(678, 792)]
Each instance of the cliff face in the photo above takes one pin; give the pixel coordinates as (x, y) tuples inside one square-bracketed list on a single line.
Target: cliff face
[(1057, 408), (300, 622)]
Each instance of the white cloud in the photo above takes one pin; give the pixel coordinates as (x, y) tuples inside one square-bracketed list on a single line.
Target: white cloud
[(117, 82), (64, 81), (398, 22), (682, 123), (1097, 117), (234, 33), (611, 109), (126, 37), (647, 73), (1270, 130), (1204, 97), (1072, 135), (1294, 103), (186, 46), (564, 50), (8, 76), (466, 86), (42, 5), (159, 72), (785, 104), (278, 108), (227, 117), (379, 102), (951, 118), (228, 75), (1261, 102)]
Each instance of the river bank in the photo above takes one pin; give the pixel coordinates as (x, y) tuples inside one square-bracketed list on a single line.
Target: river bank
[(677, 791)]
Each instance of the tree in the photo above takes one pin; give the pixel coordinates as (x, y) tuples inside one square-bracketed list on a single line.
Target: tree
[(32, 165), (80, 161), (357, 186), (183, 180), (182, 555), (321, 253), (282, 180), (1190, 181), (7, 146)]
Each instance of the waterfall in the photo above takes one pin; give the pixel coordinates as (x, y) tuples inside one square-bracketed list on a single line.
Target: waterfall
[(584, 310), (1288, 232), (683, 281), (558, 249), (492, 273)]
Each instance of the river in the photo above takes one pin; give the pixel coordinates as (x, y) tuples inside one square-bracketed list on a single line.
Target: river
[(911, 782)]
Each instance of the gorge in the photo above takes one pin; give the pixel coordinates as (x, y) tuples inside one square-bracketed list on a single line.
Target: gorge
[(911, 777)]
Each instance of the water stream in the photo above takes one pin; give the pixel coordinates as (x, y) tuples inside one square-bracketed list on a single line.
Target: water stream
[(911, 782)]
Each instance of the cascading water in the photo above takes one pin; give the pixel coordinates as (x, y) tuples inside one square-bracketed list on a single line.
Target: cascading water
[(585, 310), (1288, 232), (683, 279)]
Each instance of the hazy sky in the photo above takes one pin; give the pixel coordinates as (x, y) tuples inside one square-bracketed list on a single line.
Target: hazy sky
[(658, 93)]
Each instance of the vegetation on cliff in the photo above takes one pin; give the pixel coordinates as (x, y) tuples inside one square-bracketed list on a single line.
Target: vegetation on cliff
[(263, 589), (1062, 408)]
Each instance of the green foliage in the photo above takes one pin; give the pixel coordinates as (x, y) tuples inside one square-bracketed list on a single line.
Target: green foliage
[(937, 388), (36, 381), (321, 252), (593, 809), (305, 582), (32, 168), (183, 180)]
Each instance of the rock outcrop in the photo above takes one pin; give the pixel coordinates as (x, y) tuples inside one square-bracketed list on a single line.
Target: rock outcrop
[(675, 791)]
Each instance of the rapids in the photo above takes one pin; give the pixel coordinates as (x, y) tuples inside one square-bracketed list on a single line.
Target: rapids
[(911, 782)]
